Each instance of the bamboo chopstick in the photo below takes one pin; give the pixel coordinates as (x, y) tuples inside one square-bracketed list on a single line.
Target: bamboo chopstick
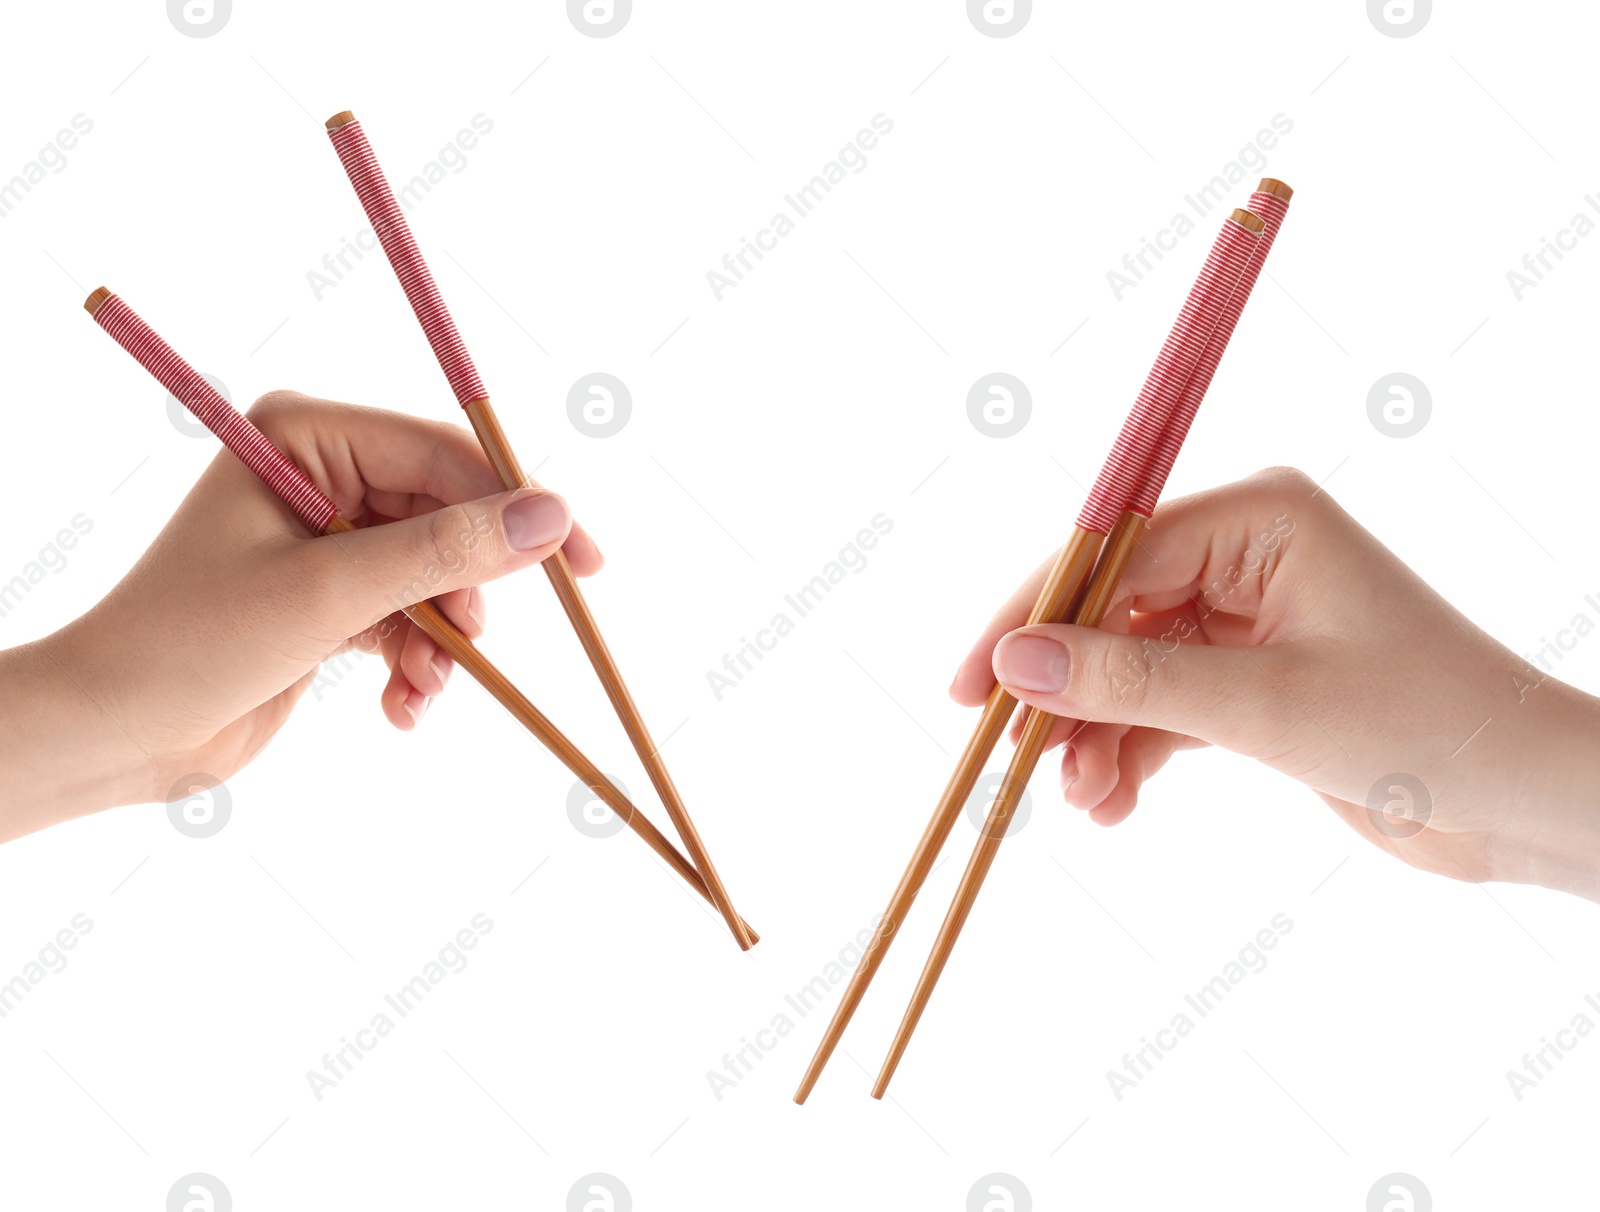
[(1062, 593), (394, 233), (1055, 602), (321, 516), (1270, 203)]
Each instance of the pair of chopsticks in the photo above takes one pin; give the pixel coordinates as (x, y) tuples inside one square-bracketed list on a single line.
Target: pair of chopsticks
[(1080, 589), (321, 516)]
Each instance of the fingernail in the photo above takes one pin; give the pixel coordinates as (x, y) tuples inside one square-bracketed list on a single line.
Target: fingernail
[(1031, 662), (417, 706), (534, 521), (475, 606), (441, 666)]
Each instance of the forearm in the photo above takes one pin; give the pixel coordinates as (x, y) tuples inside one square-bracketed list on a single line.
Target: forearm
[(62, 754)]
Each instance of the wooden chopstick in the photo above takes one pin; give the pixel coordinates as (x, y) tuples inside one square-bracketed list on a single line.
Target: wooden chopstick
[(394, 233), (1270, 204), (322, 516), (1035, 733), (1062, 592), (1056, 601)]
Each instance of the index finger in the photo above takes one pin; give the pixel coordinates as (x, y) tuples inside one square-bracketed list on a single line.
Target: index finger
[(390, 463), (1220, 546)]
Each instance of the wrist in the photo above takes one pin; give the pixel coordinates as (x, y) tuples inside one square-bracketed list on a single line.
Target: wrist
[(1555, 816), (62, 753)]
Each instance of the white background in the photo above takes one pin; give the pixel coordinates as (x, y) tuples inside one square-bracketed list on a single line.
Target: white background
[(767, 429)]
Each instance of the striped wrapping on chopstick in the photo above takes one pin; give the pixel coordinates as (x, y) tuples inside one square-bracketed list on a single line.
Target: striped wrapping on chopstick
[(1124, 470), (220, 417), (394, 233), (1270, 209)]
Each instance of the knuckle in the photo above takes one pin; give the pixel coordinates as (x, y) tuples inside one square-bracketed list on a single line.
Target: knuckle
[(1285, 484), (450, 446), (446, 441), (272, 407), (421, 572), (455, 547), (1116, 674)]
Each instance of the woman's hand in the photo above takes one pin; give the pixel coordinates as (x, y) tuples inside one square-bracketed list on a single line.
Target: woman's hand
[(194, 661), (1262, 618)]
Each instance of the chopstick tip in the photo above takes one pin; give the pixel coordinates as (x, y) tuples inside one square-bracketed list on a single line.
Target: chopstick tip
[(808, 1083), (98, 296), (1275, 187), (343, 118)]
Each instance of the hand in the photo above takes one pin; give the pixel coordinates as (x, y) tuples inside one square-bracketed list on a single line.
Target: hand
[(194, 661), (1262, 618)]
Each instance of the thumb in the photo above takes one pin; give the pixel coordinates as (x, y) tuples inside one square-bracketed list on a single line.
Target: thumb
[(372, 572), (1225, 696)]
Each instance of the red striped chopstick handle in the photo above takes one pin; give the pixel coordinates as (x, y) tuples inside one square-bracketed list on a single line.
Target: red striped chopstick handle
[(1124, 470), (394, 233), (1270, 209), (252, 446)]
